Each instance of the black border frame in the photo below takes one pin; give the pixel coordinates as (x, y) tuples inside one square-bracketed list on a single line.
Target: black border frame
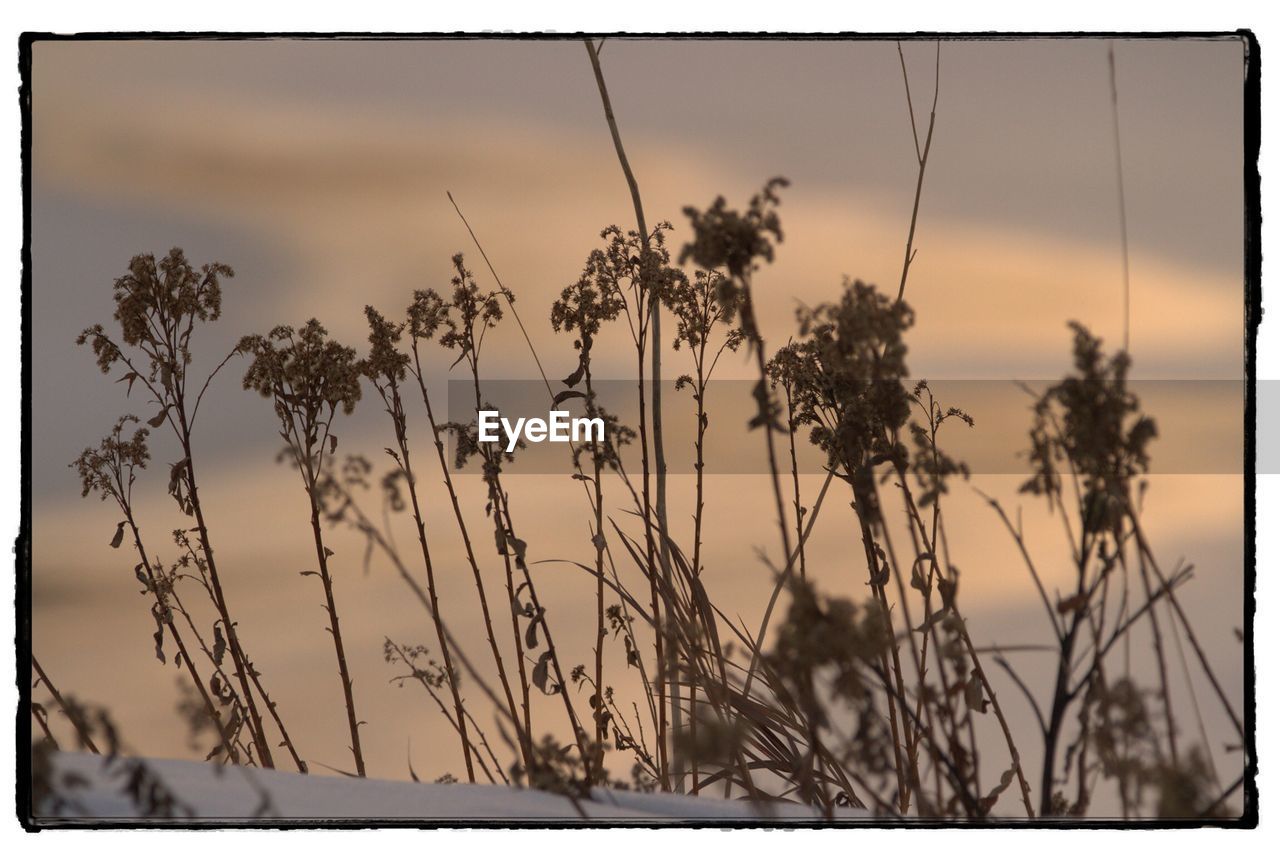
[(1252, 316)]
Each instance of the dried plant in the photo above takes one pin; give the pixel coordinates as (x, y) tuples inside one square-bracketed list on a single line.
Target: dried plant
[(871, 694), (584, 307), (737, 242), (309, 378), (786, 369), (111, 470), (469, 314), (652, 259), (877, 703), (425, 317), (630, 275), (1089, 433), (386, 367), (55, 792), (159, 305)]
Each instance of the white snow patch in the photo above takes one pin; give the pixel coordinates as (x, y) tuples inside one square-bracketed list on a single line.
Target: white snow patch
[(232, 794)]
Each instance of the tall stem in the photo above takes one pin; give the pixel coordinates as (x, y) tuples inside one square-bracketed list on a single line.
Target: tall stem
[(238, 657), (500, 533), (210, 708), (322, 558), (1124, 222), (659, 456), (795, 478), (922, 158), (598, 708), (81, 731), (460, 717), (471, 557)]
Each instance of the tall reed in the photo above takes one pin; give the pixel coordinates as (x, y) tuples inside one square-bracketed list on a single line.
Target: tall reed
[(667, 677)]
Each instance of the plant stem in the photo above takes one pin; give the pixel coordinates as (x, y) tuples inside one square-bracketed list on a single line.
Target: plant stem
[(322, 558), (598, 708), (922, 158), (501, 535), (238, 657), (398, 419), (669, 660), (471, 557), (232, 754), (81, 731)]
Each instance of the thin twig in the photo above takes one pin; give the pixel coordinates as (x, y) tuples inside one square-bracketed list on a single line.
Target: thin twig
[(81, 731)]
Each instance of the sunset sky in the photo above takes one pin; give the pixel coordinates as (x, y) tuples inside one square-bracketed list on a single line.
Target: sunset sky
[(318, 170)]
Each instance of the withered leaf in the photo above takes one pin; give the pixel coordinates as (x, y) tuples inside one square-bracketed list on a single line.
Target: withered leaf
[(973, 697), (576, 377), (934, 618), (517, 545), (540, 672), (159, 635), (129, 377), (567, 395), (219, 645), (989, 800), (531, 633)]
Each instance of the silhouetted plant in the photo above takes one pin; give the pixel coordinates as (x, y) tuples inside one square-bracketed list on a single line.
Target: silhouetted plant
[(875, 703), (854, 396), (582, 308), (433, 676), (1098, 427), (309, 378), (386, 367), (787, 369), (630, 275), (932, 466), (737, 242), (426, 316), (702, 309), (158, 308), (471, 312), (1089, 431), (111, 470)]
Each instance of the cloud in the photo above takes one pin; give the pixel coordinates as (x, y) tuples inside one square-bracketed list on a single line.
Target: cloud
[(356, 201)]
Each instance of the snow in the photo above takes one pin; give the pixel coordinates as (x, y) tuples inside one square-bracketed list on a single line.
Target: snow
[(232, 794)]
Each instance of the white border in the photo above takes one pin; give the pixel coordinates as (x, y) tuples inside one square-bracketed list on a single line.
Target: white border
[(653, 15)]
